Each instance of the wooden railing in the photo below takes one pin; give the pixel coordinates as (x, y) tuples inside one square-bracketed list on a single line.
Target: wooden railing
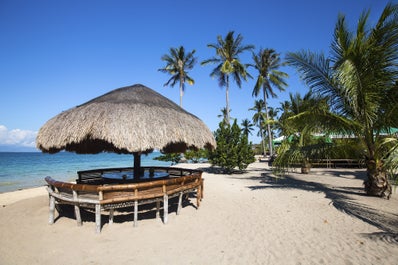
[(333, 163), (95, 176), (111, 197)]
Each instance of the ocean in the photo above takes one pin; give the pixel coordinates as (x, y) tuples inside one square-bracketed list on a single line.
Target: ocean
[(20, 170)]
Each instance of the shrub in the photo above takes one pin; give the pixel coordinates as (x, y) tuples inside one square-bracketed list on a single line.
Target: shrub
[(233, 148)]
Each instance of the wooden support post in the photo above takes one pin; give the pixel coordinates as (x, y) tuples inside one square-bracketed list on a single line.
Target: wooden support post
[(135, 212), (198, 196), (137, 165), (77, 209), (179, 203), (157, 209), (52, 210), (201, 188), (98, 218), (111, 212), (165, 208)]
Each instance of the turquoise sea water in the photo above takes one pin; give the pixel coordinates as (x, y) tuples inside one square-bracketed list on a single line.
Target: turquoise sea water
[(26, 170)]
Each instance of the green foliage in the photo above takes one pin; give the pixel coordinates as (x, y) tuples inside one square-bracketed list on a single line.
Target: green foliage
[(391, 158), (348, 148), (228, 63), (174, 158), (257, 149), (178, 62), (358, 78), (233, 148), (196, 155)]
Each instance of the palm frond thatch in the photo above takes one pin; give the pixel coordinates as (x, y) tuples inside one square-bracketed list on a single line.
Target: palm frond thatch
[(133, 119)]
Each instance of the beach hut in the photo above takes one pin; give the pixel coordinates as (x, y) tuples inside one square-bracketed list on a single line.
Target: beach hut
[(133, 119)]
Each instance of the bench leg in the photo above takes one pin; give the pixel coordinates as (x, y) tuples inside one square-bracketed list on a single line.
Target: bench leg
[(135, 213), (157, 209), (165, 208), (77, 209), (111, 212), (52, 210), (78, 216), (198, 196), (98, 218), (179, 203), (202, 186)]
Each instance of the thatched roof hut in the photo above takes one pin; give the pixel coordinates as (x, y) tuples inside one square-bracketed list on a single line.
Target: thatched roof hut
[(132, 119)]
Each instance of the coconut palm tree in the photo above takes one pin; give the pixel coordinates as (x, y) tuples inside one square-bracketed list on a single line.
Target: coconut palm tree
[(177, 64), (224, 115), (247, 127), (298, 123), (228, 63), (272, 120), (267, 62), (359, 78), (259, 118)]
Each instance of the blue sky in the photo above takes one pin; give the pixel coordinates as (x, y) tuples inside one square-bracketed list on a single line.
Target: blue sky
[(57, 54)]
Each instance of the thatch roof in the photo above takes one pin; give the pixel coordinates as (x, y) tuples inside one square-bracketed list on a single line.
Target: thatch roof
[(126, 120)]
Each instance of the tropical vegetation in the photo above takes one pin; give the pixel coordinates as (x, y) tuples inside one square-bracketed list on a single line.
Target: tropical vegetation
[(359, 82), (353, 92), (267, 63), (233, 148), (177, 65), (228, 63)]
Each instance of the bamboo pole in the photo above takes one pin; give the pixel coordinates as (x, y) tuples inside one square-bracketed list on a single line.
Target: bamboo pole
[(52, 210), (77, 208)]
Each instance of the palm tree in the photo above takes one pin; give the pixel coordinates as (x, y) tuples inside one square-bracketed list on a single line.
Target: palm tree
[(247, 127), (267, 62), (258, 118), (177, 64), (224, 115), (359, 79), (272, 120), (228, 63), (295, 108), (298, 123)]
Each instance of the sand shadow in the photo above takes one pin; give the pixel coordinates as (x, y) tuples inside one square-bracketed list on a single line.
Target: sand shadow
[(343, 199), (123, 215)]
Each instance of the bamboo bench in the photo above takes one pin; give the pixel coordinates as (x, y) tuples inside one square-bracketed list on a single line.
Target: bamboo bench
[(111, 197)]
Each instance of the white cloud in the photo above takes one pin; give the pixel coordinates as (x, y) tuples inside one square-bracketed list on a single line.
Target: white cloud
[(17, 137)]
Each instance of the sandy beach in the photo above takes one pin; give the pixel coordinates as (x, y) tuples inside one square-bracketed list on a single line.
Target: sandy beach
[(249, 218)]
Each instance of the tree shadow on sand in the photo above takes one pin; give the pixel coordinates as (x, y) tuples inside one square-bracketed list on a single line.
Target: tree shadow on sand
[(345, 199)]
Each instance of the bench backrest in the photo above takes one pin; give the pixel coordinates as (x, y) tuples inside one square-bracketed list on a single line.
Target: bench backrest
[(118, 193), (147, 190)]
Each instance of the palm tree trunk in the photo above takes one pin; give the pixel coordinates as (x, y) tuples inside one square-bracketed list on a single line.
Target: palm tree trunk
[(377, 181), (181, 93), (262, 137), (268, 126), (227, 99)]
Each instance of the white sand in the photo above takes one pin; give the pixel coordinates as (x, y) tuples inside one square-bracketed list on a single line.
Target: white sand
[(251, 218)]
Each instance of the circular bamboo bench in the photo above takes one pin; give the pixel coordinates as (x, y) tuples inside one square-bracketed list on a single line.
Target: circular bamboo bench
[(108, 197)]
